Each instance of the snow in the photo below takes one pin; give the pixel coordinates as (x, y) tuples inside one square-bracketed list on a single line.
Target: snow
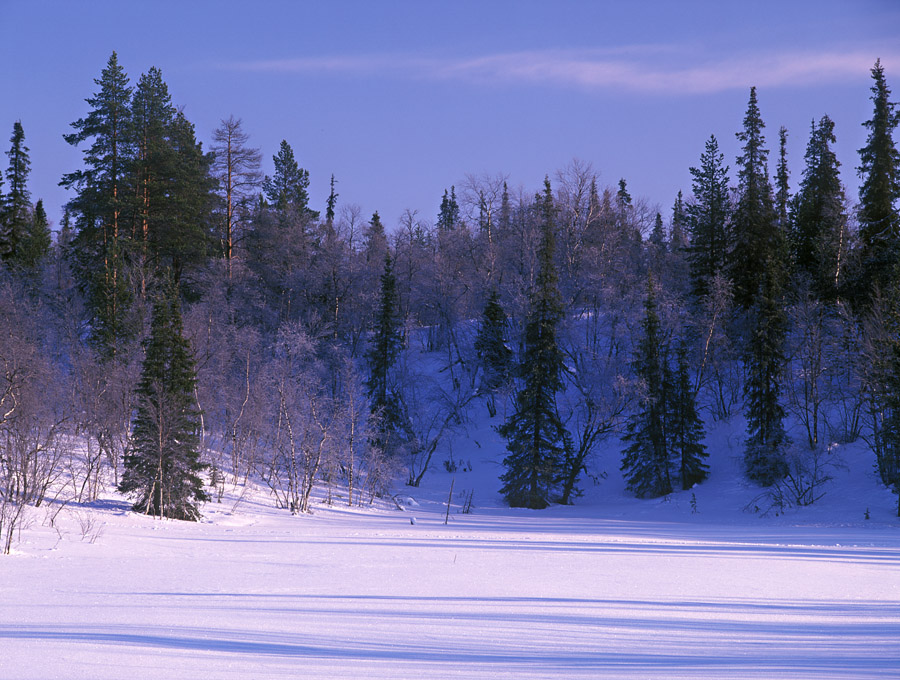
[(613, 587)]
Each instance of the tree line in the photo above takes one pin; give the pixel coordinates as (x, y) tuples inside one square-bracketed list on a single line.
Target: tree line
[(196, 323)]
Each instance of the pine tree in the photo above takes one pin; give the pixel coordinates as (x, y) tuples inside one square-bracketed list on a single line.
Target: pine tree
[(757, 236), (818, 220), (174, 187), (645, 461), (494, 355), (764, 456), (534, 433), (163, 466), (382, 355), (782, 181), (708, 217), (99, 206), (879, 219), (684, 430), (15, 216)]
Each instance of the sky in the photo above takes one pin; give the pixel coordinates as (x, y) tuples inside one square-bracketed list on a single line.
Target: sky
[(401, 100)]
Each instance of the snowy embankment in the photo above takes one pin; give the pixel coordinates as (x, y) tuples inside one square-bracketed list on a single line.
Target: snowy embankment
[(613, 587)]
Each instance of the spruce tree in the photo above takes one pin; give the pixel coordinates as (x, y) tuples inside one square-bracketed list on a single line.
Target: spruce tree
[(879, 219), (708, 217), (163, 465), (684, 430), (383, 352), (764, 453), (534, 433), (36, 241), (678, 239), (448, 217), (494, 354), (645, 461), (15, 216), (288, 188), (782, 181), (757, 236), (818, 220)]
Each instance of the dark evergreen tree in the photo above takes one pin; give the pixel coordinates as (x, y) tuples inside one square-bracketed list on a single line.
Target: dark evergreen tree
[(684, 430), (288, 189), (708, 217), (181, 228), (782, 182), (376, 244), (36, 242), (15, 213), (448, 217), (888, 455), (163, 465), (645, 461), (534, 433), (99, 207), (818, 220), (174, 187), (384, 350), (764, 453), (879, 219), (330, 204), (678, 239), (757, 236), (494, 354), (658, 234)]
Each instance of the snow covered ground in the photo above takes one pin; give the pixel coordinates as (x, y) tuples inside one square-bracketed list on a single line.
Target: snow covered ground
[(613, 587)]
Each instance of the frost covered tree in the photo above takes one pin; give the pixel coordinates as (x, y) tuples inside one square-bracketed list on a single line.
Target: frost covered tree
[(236, 167), (534, 434), (163, 466)]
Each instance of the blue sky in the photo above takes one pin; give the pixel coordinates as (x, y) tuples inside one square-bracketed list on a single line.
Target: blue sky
[(401, 100)]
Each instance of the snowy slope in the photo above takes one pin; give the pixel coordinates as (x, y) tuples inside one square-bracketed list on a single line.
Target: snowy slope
[(614, 587)]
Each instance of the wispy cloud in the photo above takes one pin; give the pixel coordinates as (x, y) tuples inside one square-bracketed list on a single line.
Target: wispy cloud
[(647, 69)]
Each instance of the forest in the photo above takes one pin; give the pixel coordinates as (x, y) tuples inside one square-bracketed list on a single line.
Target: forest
[(195, 323)]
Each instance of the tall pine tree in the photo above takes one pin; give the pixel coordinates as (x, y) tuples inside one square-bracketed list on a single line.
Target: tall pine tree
[(163, 466), (534, 433), (102, 193)]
